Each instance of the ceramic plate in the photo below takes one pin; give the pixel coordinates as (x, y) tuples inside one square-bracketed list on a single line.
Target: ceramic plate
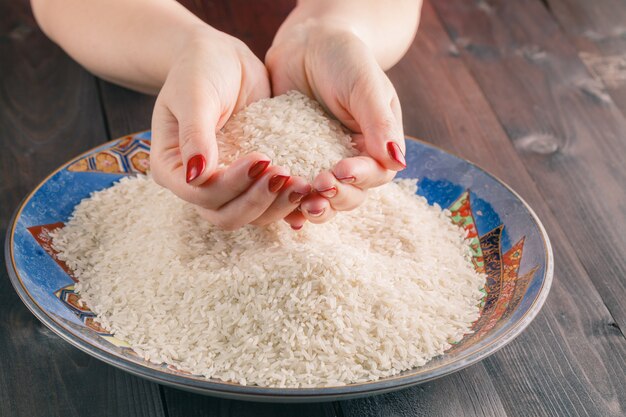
[(508, 242)]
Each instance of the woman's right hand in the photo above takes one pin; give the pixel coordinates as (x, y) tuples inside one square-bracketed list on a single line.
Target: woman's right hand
[(212, 77)]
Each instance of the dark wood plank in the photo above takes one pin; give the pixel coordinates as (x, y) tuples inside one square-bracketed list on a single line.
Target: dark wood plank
[(184, 404), (572, 142), (126, 111), (570, 361), (50, 113), (598, 30), (467, 393)]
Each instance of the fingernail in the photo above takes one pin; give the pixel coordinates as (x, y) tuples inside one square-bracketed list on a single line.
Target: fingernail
[(257, 168), (329, 192), (296, 227), (277, 182), (315, 213), (295, 197), (346, 180), (195, 167), (396, 153)]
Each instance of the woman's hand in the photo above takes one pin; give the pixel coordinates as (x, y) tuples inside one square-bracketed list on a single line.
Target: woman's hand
[(213, 76), (330, 63)]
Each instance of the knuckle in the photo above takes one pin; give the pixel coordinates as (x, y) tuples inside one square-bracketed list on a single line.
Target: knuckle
[(385, 123), (189, 134), (249, 205)]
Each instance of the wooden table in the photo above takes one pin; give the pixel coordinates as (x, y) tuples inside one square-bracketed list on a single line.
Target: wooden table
[(533, 91)]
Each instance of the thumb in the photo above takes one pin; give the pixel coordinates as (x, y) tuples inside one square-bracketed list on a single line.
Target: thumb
[(198, 146), (381, 128)]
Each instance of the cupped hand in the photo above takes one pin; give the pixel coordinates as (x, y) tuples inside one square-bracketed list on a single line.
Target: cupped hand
[(213, 76), (330, 63)]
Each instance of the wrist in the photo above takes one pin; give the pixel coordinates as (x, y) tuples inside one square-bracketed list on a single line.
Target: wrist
[(199, 40), (314, 29), (386, 28)]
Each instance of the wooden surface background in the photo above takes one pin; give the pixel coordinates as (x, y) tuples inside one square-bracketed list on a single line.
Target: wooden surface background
[(534, 91)]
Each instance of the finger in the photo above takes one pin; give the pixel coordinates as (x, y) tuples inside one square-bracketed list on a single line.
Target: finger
[(250, 205), (287, 201), (342, 197), (164, 153), (197, 140), (372, 110), (223, 186), (228, 183), (317, 209), (296, 219), (257, 80), (396, 109), (362, 171)]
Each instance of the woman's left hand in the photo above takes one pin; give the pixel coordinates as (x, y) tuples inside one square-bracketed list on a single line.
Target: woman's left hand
[(332, 65)]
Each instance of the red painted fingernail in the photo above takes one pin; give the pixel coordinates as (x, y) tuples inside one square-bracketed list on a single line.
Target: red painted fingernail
[(257, 168), (329, 192), (277, 182), (315, 213), (396, 153), (295, 197), (346, 180), (296, 227), (195, 167)]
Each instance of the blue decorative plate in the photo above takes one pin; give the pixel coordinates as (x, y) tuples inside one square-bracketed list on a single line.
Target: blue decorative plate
[(508, 241)]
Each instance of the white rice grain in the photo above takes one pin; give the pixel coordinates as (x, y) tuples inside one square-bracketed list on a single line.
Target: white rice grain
[(376, 291)]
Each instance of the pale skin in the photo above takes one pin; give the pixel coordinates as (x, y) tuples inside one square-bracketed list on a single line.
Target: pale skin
[(335, 51)]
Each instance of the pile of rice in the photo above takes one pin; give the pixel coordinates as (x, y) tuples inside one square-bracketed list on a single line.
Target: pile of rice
[(376, 291), (292, 130)]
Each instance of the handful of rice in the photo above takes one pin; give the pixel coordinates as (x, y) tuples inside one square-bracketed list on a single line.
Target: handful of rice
[(377, 291)]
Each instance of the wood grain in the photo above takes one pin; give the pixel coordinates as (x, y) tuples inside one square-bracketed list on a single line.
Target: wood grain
[(184, 404), (467, 393), (125, 111), (50, 113), (598, 30), (571, 142)]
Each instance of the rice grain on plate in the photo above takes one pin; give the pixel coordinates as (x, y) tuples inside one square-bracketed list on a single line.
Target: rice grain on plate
[(376, 291)]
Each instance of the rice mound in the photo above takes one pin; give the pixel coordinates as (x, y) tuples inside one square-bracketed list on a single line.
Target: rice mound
[(374, 292), (292, 130)]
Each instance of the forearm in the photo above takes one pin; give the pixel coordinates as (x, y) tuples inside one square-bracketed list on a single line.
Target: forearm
[(386, 26), (130, 42)]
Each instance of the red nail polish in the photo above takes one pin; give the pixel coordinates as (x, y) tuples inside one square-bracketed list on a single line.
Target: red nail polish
[(396, 153), (277, 182), (315, 213), (195, 167), (346, 180), (295, 197), (296, 227), (257, 169), (329, 192)]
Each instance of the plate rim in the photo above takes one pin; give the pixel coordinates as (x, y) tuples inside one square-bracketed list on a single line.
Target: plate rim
[(256, 393)]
